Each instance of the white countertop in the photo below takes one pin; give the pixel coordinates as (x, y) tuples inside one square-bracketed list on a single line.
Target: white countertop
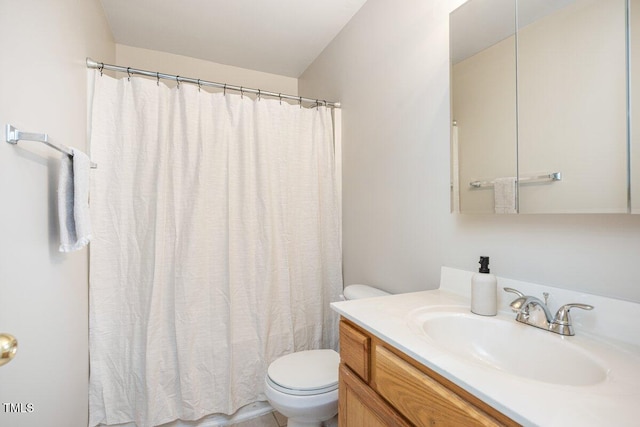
[(612, 402)]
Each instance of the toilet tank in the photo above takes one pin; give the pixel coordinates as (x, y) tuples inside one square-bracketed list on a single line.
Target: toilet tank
[(352, 292)]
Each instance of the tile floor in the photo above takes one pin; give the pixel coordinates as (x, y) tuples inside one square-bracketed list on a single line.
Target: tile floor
[(273, 419)]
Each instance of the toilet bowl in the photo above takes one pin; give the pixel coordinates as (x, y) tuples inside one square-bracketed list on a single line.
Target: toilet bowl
[(303, 386)]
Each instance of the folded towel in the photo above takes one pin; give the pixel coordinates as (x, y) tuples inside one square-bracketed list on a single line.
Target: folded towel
[(73, 201), (504, 193)]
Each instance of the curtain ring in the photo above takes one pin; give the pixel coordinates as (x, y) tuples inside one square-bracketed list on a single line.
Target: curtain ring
[(317, 103), (258, 94), (300, 101), (101, 68), (128, 74), (157, 79), (280, 97), (199, 85), (224, 90), (178, 81), (241, 92)]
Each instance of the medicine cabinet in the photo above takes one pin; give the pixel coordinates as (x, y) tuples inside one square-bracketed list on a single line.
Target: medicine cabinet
[(539, 96)]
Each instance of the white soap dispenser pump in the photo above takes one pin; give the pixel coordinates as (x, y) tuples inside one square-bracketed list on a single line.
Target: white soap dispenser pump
[(484, 290)]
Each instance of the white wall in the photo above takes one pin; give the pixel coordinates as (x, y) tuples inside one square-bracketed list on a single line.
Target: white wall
[(153, 60), (43, 294), (389, 68)]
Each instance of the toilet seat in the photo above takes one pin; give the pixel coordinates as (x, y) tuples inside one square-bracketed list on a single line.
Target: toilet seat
[(305, 372)]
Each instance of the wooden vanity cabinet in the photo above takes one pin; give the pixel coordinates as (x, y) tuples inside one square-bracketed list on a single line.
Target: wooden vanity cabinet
[(381, 386)]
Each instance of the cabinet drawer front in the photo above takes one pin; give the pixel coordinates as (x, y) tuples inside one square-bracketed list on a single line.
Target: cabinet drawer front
[(354, 350), (420, 398)]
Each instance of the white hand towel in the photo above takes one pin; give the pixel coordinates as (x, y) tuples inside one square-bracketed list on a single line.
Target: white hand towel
[(73, 201), (504, 193)]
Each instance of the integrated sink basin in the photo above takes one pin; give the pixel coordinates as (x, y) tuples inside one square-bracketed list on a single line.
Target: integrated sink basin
[(506, 345)]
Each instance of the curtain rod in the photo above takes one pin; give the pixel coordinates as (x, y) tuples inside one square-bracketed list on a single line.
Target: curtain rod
[(102, 66)]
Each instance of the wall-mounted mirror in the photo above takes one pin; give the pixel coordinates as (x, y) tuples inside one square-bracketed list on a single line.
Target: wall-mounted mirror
[(539, 108)]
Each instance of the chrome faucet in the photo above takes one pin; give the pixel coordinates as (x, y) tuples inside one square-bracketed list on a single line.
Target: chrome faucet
[(527, 307)]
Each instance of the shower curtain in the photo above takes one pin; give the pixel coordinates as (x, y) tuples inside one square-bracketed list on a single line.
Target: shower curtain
[(216, 249)]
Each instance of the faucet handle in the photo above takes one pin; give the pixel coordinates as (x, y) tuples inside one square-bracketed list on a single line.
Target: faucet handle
[(562, 316), (516, 304), (513, 291)]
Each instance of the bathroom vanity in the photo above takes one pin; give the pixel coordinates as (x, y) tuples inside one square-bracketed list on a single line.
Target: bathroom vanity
[(423, 359), (381, 386)]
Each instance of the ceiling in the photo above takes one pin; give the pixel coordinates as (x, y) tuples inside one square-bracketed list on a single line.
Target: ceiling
[(275, 36)]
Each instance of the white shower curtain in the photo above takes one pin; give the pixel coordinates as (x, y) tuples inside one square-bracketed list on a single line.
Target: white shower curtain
[(216, 247)]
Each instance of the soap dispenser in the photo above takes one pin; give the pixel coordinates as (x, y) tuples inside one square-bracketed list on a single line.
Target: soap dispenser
[(484, 290)]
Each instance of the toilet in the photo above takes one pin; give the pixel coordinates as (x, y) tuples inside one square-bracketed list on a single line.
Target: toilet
[(303, 386)]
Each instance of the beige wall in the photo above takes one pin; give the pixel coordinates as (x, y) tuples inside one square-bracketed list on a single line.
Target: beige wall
[(168, 63), (390, 69), (43, 293)]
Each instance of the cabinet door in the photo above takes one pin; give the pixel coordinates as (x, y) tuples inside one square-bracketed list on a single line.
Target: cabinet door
[(420, 398), (360, 406)]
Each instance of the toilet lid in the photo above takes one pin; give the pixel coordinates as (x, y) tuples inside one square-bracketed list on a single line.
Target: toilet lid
[(304, 371)]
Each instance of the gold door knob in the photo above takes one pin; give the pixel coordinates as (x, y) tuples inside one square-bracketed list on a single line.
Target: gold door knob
[(8, 348)]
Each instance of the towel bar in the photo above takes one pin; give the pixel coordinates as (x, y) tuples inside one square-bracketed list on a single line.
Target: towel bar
[(554, 176), (14, 135)]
